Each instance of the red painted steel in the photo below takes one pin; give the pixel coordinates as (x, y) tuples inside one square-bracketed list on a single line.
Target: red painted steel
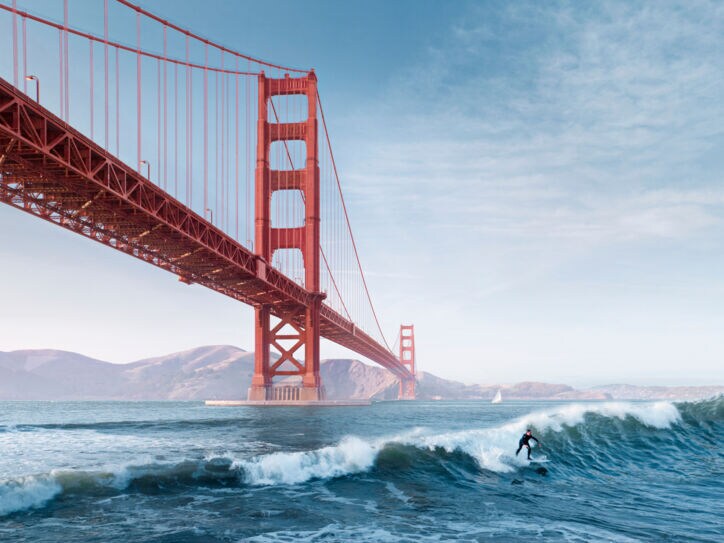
[(51, 170), (407, 359), (305, 238)]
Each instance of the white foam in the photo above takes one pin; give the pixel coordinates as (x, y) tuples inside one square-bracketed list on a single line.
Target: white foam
[(656, 415), (27, 493), (32, 491), (493, 448), (331, 532), (397, 493), (351, 455), (433, 530)]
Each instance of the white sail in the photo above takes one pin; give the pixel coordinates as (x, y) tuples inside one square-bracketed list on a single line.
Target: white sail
[(498, 397)]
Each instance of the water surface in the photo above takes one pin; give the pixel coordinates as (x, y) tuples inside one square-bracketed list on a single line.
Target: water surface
[(397, 471)]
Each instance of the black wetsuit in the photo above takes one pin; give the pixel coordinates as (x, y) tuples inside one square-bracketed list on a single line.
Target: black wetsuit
[(524, 443)]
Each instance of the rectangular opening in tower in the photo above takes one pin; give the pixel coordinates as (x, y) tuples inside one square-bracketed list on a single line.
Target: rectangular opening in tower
[(287, 209), (288, 155), (289, 108)]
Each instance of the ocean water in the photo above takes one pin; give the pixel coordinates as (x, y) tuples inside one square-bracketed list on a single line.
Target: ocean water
[(397, 471)]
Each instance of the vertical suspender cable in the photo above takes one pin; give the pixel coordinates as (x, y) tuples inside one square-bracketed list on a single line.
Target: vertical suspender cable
[(25, 57), (92, 93), (236, 148), (220, 139), (105, 61), (227, 136), (188, 129), (220, 144), (138, 92), (227, 118), (165, 110), (66, 59), (215, 199), (160, 182), (224, 143), (175, 130), (247, 115), (206, 128), (218, 188), (61, 74), (191, 138), (16, 80), (118, 103)]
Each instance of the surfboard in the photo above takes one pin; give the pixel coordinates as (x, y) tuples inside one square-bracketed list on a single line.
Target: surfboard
[(538, 457), (538, 460)]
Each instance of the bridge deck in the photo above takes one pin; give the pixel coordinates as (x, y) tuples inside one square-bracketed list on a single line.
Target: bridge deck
[(51, 170)]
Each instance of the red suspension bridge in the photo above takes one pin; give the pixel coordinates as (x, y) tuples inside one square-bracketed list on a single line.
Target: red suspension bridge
[(213, 165)]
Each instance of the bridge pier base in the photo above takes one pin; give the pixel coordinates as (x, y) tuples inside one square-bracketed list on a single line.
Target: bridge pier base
[(258, 394), (407, 390), (311, 394), (285, 393)]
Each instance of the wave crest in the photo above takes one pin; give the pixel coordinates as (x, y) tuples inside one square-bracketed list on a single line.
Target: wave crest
[(28, 492), (351, 455), (492, 448)]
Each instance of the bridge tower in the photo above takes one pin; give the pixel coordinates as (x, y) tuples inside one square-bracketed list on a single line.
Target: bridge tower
[(296, 328), (407, 358)]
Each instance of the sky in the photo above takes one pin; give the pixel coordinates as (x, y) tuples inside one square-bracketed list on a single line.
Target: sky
[(538, 187)]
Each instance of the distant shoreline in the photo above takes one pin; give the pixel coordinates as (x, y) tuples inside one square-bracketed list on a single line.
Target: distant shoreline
[(223, 372)]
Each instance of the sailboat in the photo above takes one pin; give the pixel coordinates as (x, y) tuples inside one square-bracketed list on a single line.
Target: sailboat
[(498, 397)]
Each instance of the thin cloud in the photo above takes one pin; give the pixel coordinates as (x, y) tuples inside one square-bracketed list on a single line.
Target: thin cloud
[(600, 140)]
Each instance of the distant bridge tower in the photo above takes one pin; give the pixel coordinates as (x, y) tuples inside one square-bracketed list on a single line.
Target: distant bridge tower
[(407, 358), (296, 328)]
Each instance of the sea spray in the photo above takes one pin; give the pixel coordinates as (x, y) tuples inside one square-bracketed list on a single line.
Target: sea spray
[(490, 447), (27, 493), (351, 455)]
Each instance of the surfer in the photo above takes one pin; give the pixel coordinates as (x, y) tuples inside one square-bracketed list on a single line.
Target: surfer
[(527, 436)]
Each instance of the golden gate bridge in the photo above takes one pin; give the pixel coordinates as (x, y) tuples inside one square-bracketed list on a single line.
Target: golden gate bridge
[(211, 164)]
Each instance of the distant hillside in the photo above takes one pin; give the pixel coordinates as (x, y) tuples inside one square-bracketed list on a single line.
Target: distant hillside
[(59, 375), (631, 392), (431, 387), (224, 372), (215, 372)]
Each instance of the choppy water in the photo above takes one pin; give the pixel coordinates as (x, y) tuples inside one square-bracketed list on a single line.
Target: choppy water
[(407, 471)]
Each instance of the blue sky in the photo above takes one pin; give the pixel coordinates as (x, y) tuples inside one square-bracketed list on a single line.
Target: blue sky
[(537, 186)]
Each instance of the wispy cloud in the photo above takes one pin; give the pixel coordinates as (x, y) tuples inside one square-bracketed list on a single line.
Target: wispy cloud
[(599, 123)]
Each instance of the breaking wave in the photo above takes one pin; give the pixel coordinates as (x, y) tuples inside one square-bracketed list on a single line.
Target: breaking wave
[(575, 438), (489, 447)]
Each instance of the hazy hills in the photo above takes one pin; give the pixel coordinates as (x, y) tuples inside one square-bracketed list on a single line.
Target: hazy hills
[(214, 372), (224, 372)]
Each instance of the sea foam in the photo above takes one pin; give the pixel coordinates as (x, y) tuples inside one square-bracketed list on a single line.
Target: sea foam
[(490, 447), (27, 493), (351, 455)]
